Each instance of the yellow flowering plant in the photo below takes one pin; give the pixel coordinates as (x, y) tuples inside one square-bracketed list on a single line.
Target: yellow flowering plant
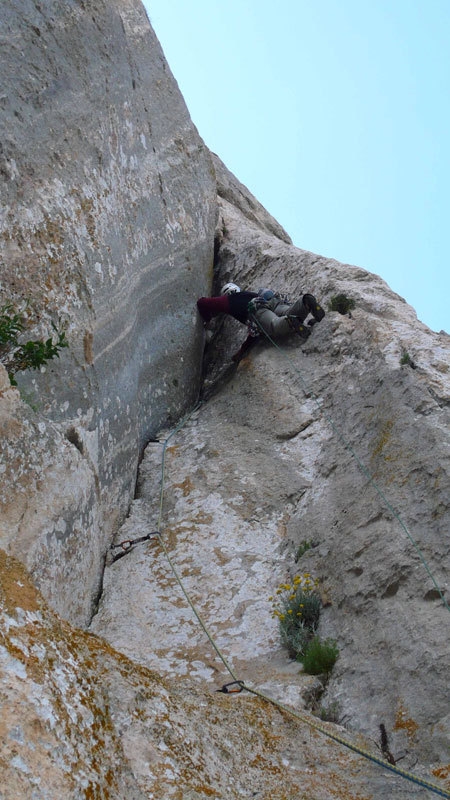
[(297, 606)]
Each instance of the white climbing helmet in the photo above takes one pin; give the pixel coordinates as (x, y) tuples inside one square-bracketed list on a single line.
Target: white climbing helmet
[(230, 288)]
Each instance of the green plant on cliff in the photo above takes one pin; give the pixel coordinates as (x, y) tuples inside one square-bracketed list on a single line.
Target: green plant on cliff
[(407, 360), (297, 606), (303, 548), (17, 353), (320, 656), (341, 303)]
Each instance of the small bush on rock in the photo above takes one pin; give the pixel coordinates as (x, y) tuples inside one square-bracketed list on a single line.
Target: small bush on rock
[(319, 657), (341, 303), (406, 360), (17, 355), (297, 606), (303, 548), (330, 713)]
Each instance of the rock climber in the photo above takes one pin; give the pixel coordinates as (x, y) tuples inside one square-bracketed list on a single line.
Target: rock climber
[(263, 312)]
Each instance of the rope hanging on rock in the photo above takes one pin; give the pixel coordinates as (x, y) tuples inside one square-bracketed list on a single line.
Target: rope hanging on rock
[(363, 469), (237, 686)]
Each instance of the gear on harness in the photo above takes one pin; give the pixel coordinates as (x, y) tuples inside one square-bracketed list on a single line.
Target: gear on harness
[(256, 304)]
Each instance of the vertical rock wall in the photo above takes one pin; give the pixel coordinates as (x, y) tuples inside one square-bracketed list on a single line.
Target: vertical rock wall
[(107, 224), (379, 535), (264, 483), (107, 221)]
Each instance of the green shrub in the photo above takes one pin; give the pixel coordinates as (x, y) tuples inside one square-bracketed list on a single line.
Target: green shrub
[(294, 637), (297, 607), (341, 303), (407, 360), (319, 657), (11, 324), (330, 713), (16, 355), (302, 549)]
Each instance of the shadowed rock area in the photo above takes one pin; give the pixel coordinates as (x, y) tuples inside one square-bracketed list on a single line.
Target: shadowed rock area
[(113, 210)]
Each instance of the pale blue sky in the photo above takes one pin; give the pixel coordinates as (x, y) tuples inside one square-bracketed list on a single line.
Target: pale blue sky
[(336, 115)]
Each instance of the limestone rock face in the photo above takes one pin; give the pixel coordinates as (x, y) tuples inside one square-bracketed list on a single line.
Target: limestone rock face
[(377, 507), (232, 191), (80, 719), (328, 457), (107, 223), (50, 508), (333, 443)]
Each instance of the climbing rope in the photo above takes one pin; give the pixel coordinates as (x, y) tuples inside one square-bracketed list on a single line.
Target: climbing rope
[(361, 466), (236, 686), (432, 787), (180, 425)]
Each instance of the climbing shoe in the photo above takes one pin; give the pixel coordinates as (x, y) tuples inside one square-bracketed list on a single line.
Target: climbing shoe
[(298, 327), (313, 307)]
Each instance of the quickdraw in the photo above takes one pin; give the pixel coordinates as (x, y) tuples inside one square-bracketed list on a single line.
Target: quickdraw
[(127, 544), (232, 688)]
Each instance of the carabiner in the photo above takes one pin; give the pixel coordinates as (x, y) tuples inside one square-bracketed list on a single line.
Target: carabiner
[(239, 685)]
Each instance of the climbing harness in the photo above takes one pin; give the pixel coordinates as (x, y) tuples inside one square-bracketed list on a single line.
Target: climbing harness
[(236, 686), (128, 544), (253, 328)]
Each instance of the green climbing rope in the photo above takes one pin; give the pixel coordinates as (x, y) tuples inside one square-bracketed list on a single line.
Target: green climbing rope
[(432, 787), (180, 425), (301, 717)]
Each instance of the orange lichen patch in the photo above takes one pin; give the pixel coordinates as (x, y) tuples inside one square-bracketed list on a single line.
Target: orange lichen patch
[(442, 772), (405, 723), (10, 427), (48, 648), (86, 211), (206, 790), (16, 590), (202, 518), (186, 486), (263, 763), (211, 454), (88, 340), (221, 557), (383, 438), (52, 231)]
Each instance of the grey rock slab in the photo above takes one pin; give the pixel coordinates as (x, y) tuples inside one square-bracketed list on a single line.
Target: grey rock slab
[(108, 216), (80, 718), (331, 441)]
